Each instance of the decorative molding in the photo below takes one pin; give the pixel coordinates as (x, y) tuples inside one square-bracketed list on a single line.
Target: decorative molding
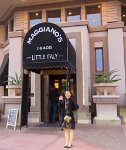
[(97, 29), (105, 99), (115, 25), (11, 99), (16, 34), (71, 24)]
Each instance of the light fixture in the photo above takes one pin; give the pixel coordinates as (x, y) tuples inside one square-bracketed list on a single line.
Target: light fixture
[(99, 6), (36, 14), (124, 15), (70, 13)]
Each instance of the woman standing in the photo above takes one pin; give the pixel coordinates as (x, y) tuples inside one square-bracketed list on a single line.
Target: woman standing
[(68, 122)]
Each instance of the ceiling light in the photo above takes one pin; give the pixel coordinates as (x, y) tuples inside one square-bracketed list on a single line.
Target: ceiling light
[(70, 13), (99, 6), (124, 15), (36, 14)]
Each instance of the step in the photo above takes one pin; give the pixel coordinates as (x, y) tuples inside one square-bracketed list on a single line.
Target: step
[(34, 117)]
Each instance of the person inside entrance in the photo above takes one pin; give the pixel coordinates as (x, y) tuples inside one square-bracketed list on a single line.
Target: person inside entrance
[(54, 96)]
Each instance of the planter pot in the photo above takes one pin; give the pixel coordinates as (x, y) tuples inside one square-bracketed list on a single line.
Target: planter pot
[(105, 88), (14, 90)]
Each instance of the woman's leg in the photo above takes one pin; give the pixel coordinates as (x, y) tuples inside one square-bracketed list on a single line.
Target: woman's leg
[(71, 137), (66, 137)]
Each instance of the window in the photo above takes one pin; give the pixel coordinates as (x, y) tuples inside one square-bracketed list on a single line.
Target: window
[(35, 18), (94, 15), (73, 14), (11, 25), (123, 14), (99, 59), (6, 32), (54, 16)]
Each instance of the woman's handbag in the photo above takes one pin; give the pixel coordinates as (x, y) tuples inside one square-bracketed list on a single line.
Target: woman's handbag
[(67, 119)]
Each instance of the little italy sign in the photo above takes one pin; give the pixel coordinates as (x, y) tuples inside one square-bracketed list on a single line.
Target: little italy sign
[(43, 57)]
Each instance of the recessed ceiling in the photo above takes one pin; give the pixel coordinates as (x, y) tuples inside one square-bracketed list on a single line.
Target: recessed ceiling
[(6, 6)]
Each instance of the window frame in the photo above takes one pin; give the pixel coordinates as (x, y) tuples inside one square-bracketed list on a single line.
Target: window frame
[(96, 48), (67, 8), (35, 11), (124, 7), (51, 10), (100, 13)]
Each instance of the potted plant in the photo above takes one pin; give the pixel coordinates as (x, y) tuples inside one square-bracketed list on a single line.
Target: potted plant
[(14, 85), (105, 82)]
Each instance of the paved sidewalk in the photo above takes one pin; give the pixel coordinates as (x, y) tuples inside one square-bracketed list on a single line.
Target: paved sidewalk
[(86, 137)]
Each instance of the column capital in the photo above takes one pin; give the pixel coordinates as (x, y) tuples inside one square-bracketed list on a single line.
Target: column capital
[(115, 25), (16, 34)]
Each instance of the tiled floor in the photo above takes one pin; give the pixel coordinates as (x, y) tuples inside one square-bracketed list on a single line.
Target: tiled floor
[(86, 137)]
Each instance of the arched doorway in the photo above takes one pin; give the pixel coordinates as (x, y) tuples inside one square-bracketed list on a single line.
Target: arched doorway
[(46, 49)]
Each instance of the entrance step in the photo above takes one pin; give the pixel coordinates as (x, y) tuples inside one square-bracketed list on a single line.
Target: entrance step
[(34, 117), (84, 117)]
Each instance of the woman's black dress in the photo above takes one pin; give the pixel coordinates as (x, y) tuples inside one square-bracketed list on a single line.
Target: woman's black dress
[(69, 111)]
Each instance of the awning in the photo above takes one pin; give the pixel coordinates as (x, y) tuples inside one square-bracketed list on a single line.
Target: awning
[(46, 46), (4, 70)]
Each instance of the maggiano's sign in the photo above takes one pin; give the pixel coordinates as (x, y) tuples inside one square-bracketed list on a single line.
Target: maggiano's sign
[(45, 29), (45, 42)]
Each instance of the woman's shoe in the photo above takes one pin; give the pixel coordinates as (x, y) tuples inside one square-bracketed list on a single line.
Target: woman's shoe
[(69, 146), (65, 146)]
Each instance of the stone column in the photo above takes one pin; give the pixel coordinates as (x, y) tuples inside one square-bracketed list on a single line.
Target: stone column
[(44, 17), (35, 110), (116, 56), (83, 16), (63, 15), (15, 53), (82, 69), (37, 93)]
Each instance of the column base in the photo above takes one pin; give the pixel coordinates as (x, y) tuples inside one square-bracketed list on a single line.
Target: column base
[(84, 117), (34, 117), (100, 121)]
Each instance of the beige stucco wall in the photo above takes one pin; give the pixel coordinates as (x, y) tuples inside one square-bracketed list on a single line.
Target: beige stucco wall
[(21, 21), (113, 11), (15, 54), (35, 84), (116, 59), (2, 34)]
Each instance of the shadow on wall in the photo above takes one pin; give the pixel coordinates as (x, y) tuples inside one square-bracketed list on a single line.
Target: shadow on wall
[(1, 109)]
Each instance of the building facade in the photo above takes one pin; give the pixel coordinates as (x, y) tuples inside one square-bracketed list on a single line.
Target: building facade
[(96, 30)]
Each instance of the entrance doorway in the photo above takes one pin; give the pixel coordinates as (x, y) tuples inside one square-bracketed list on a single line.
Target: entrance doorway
[(59, 82)]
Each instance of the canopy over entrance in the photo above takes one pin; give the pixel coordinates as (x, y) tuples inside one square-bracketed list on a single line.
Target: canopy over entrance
[(46, 46)]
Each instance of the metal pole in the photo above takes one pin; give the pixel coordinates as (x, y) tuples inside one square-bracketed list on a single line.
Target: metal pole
[(68, 79)]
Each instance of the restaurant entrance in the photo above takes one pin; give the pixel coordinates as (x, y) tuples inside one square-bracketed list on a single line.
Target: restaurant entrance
[(59, 82), (46, 48)]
